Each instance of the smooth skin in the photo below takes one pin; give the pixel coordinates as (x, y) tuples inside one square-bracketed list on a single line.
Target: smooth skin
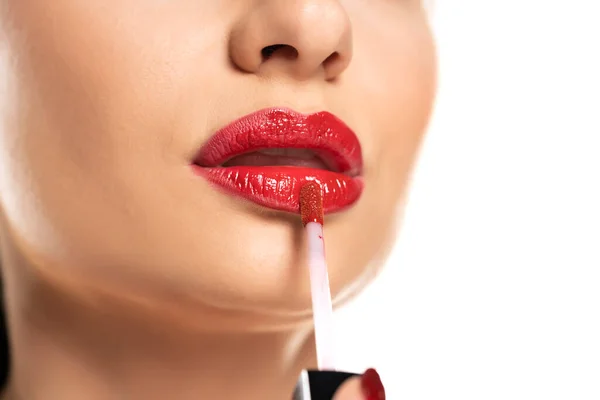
[(125, 275)]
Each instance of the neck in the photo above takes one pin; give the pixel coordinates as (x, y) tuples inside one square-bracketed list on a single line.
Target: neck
[(63, 347)]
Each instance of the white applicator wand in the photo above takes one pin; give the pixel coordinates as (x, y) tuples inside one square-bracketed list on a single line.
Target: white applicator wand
[(318, 384), (311, 210)]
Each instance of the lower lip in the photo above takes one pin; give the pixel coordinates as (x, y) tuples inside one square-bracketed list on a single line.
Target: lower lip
[(279, 187)]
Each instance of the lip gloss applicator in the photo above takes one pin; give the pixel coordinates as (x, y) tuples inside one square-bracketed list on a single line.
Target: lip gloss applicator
[(318, 384), (311, 210)]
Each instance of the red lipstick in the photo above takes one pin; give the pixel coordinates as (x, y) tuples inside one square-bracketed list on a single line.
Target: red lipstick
[(268, 156)]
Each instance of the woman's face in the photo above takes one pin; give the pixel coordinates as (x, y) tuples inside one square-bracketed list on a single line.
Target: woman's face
[(106, 103)]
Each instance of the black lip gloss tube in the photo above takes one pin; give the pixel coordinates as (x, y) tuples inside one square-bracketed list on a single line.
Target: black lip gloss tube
[(319, 385)]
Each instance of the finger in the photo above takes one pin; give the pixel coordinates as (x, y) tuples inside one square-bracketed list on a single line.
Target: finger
[(368, 386)]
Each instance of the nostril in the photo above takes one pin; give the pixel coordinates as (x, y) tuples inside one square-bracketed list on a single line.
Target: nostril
[(332, 59), (334, 64), (282, 50), (268, 51)]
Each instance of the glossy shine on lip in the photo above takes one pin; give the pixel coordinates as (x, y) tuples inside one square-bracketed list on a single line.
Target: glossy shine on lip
[(266, 157)]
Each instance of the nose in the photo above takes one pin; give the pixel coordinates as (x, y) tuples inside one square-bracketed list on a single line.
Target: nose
[(298, 38)]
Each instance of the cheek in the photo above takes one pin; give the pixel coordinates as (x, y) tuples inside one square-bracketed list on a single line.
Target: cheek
[(96, 100), (393, 84), (105, 77), (395, 79)]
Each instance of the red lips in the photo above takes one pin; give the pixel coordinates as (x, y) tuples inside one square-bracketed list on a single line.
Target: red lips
[(267, 156)]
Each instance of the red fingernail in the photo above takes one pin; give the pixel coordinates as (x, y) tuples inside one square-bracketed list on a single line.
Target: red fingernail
[(372, 386)]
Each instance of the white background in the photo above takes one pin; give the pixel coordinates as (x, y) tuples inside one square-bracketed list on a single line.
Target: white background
[(493, 291)]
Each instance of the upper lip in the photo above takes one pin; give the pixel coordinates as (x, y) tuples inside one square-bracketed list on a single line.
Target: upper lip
[(322, 132)]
